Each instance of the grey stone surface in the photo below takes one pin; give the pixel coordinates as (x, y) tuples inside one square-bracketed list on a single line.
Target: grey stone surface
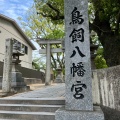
[(49, 41), (53, 91), (32, 101), (48, 59), (17, 79), (17, 82), (63, 114), (59, 78), (27, 81), (108, 83), (84, 87), (48, 66), (6, 83), (27, 115), (30, 109), (32, 72), (53, 50)]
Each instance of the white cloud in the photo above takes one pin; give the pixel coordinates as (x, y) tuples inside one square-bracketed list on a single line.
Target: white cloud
[(24, 7), (2, 0), (15, 8), (12, 14), (14, 1)]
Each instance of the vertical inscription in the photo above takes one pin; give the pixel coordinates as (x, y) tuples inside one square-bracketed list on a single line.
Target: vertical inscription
[(77, 35), (77, 61)]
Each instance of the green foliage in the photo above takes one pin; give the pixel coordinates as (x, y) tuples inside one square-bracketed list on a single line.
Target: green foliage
[(38, 64), (100, 62), (100, 51), (35, 66), (56, 34), (104, 16), (51, 9), (108, 10), (91, 12), (37, 26)]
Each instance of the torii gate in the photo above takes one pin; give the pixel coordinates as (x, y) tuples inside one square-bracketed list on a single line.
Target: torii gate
[(48, 52)]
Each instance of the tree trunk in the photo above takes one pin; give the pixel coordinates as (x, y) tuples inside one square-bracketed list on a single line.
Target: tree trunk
[(111, 47)]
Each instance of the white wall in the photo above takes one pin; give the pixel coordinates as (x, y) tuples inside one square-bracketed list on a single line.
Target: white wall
[(8, 30)]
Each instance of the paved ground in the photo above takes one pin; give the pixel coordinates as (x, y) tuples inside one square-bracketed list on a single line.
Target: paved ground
[(58, 90), (42, 91)]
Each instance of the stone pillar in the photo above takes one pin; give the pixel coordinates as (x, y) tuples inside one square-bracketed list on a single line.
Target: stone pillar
[(77, 60), (6, 82), (78, 78), (48, 66)]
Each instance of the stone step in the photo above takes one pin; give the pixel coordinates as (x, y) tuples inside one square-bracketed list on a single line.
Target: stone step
[(33, 101), (29, 108), (27, 115), (9, 119)]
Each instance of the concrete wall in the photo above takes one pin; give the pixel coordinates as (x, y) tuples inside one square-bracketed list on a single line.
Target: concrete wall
[(8, 30), (106, 87), (27, 73)]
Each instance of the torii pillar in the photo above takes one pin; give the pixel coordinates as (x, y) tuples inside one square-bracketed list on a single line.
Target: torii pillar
[(48, 52)]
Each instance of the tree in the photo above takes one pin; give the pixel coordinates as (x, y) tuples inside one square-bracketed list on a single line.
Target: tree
[(36, 26), (51, 9), (38, 64), (107, 26), (104, 20), (99, 60)]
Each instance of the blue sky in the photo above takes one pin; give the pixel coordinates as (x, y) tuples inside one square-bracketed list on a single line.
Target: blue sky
[(15, 8)]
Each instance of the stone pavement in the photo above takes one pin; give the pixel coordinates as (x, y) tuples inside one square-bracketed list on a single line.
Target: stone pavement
[(42, 91)]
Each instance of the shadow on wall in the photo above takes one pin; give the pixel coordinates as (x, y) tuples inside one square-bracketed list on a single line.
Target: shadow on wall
[(1, 68), (110, 114), (27, 73)]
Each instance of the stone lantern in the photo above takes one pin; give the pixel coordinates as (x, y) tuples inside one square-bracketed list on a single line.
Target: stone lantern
[(18, 83), (59, 78), (15, 56)]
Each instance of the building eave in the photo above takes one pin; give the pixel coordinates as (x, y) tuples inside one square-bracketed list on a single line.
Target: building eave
[(19, 29)]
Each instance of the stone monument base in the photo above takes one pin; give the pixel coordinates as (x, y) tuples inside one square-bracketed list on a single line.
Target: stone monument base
[(14, 90), (20, 89), (96, 114), (5, 94), (18, 84), (58, 79)]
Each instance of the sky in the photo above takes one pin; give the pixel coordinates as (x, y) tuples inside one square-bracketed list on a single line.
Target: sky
[(15, 8)]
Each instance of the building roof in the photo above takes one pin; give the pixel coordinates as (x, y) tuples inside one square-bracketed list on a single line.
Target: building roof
[(19, 29)]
